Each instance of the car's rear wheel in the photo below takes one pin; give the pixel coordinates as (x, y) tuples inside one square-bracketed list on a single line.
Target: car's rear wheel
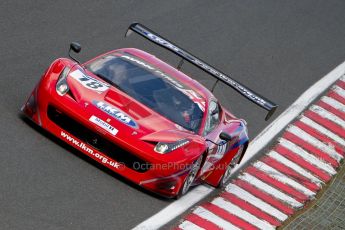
[(190, 178), (228, 171)]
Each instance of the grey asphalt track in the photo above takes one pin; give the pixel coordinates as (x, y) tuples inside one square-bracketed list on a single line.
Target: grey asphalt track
[(277, 48)]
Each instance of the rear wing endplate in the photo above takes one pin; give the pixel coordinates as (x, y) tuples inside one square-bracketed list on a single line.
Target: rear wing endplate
[(245, 91)]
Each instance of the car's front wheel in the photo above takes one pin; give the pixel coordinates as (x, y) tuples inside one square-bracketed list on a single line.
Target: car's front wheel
[(191, 177), (228, 171)]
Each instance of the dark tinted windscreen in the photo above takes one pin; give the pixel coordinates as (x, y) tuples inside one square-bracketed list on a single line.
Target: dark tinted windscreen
[(153, 88)]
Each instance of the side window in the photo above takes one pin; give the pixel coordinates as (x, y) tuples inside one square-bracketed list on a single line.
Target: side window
[(213, 116)]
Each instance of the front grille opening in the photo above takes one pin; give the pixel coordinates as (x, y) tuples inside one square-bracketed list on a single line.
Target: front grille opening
[(98, 142)]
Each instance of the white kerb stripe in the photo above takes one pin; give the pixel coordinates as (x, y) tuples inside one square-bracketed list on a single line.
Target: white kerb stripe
[(207, 215), (322, 130), (334, 103), (340, 91), (307, 156), (189, 226), (248, 197), (295, 167), (237, 211), (282, 178), (328, 115), (315, 142), (270, 190)]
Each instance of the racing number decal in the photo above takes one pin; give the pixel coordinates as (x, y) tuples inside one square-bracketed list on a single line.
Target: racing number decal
[(89, 82), (221, 149)]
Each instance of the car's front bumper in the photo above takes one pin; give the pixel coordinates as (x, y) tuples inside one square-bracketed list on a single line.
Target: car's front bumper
[(147, 174)]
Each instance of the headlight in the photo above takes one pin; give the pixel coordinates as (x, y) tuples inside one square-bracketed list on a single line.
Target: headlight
[(162, 147), (62, 86)]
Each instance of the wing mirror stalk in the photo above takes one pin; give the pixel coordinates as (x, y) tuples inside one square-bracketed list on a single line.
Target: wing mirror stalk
[(224, 136), (75, 47)]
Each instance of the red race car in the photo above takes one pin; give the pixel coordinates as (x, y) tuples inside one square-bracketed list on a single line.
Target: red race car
[(143, 118)]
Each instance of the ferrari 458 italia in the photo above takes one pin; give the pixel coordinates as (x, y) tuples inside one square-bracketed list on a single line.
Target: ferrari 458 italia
[(143, 118)]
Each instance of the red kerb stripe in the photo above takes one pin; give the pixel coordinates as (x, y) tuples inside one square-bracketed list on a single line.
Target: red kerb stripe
[(290, 173), (303, 163), (336, 96), (228, 216), (341, 84), (331, 109), (275, 183), (250, 208), (264, 196), (310, 148), (321, 137), (326, 123), (195, 219)]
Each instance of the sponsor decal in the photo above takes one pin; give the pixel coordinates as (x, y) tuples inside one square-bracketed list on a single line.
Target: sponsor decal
[(138, 62), (116, 113), (103, 125), (160, 73), (89, 82), (89, 151)]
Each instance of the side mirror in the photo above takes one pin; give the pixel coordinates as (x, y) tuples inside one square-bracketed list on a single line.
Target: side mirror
[(224, 136), (76, 47)]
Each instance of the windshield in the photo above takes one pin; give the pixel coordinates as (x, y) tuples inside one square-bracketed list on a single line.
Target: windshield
[(152, 87)]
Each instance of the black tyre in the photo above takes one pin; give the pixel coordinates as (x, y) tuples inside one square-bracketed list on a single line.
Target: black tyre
[(228, 171), (190, 178)]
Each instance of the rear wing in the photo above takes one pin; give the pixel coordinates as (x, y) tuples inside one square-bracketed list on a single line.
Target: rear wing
[(245, 91)]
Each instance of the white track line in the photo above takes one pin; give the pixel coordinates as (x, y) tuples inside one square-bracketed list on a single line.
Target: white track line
[(328, 115), (295, 167), (248, 197), (322, 130), (187, 225), (178, 207), (307, 156), (207, 215), (244, 215), (282, 178), (270, 190), (315, 142)]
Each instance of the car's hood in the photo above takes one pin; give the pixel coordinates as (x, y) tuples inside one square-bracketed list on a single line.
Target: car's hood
[(120, 110)]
